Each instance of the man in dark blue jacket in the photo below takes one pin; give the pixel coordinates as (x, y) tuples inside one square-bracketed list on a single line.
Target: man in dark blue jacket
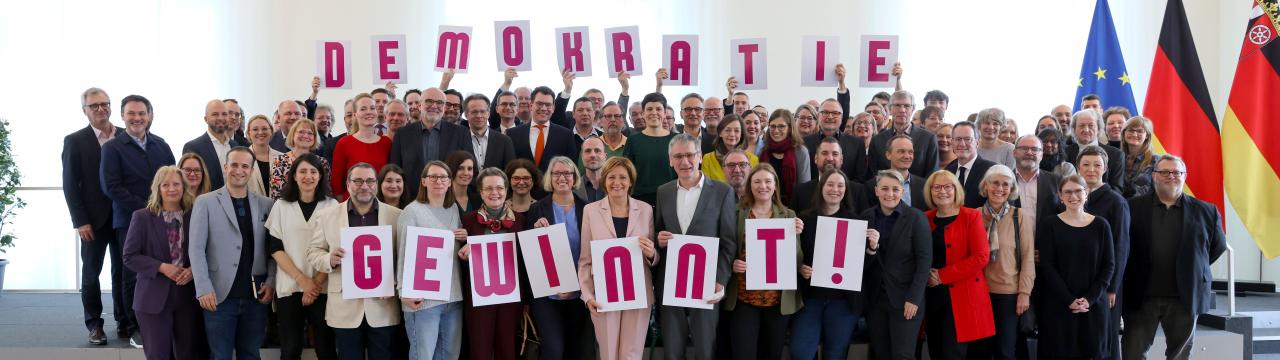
[(129, 163)]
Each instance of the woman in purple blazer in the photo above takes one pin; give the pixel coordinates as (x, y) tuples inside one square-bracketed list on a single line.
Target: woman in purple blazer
[(156, 249)]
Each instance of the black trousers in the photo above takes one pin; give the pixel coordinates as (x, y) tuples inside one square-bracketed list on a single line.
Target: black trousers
[(560, 325), (107, 242), (1002, 346), (354, 344), (296, 320), (892, 335), (756, 332), (940, 325)]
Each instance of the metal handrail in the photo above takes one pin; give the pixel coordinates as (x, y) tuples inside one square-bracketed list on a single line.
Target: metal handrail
[(1231, 281)]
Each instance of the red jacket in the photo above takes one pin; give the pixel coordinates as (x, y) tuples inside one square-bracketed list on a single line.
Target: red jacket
[(967, 256)]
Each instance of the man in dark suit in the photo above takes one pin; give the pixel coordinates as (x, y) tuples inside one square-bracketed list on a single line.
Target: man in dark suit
[(902, 105), (214, 144), (1174, 238), (829, 156), (430, 139), (853, 162), (968, 166), (492, 148), (1037, 190), (693, 205), (901, 153), (1086, 126), (555, 140), (128, 164), (91, 214), (287, 113)]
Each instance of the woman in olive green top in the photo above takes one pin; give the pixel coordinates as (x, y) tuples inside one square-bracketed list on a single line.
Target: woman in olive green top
[(648, 150), (762, 316)]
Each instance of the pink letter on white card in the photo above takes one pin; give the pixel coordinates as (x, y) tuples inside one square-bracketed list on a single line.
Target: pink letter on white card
[(616, 266), (390, 59), (493, 269), (747, 63), (333, 64), (818, 58), (771, 254), (548, 260), (879, 53), (680, 57), (367, 269), (511, 39), (691, 271), (623, 45), (453, 47), (839, 250), (428, 264), (573, 50)]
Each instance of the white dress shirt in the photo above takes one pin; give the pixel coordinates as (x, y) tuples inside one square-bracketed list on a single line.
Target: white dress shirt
[(687, 202)]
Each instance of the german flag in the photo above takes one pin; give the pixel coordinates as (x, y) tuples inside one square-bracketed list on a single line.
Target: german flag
[(1249, 127), (1179, 108)]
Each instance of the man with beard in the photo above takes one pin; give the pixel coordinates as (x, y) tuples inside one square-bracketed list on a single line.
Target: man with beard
[(1037, 190), (614, 135), (592, 158), (828, 156), (736, 167), (413, 98), (926, 144), (430, 139), (214, 144)]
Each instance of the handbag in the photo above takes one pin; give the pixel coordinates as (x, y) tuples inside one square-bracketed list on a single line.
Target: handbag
[(1026, 322), (529, 340)]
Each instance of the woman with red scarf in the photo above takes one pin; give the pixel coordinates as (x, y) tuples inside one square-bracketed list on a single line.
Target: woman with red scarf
[(491, 329), (784, 150)]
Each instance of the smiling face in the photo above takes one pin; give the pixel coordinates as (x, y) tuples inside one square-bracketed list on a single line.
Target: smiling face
[(732, 134), (287, 113), (97, 108), (397, 115), (751, 126), (307, 176), (1046, 122), (324, 120), (829, 117), (944, 139), (833, 190), (414, 100), (902, 109), (543, 106), (990, 129), (366, 113), (172, 189), (433, 105), (507, 105), (611, 120), (192, 172), (901, 154), (465, 173), (392, 185), (1135, 135), (437, 181), (889, 192), (1169, 178), (236, 169), (1115, 125), (779, 129), (304, 137), (828, 156), (1028, 152), (216, 117), (362, 184), (1073, 195), (943, 193), (521, 182), (653, 114), (691, 112), (998, 188), (260, 131), (617, 182), (136, 118), (763, 185), (963, 143), (1086, 128), (562, 177), (584, 115), (1092, 168), (686, 159)]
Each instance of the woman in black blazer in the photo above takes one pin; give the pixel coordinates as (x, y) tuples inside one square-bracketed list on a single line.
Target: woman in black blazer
[(897, 270), (156, 249), (561, 318)]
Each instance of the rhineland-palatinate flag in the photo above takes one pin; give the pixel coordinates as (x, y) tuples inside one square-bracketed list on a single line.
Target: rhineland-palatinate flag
[(1250, 148), (1179, 108)]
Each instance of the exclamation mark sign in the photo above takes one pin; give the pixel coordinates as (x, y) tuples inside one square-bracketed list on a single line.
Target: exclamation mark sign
[(842, 232)]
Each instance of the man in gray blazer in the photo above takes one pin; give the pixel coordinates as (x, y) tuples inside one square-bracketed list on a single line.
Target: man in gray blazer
[(693, 205), (234, 277)]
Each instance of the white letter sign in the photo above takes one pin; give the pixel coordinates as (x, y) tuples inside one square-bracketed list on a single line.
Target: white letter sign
[(367, 268), (428, 264), (691, 271), (879, 52), (617, 268), (771, 254), (493, 269), (818, 60), (839, 250), (548, 261)]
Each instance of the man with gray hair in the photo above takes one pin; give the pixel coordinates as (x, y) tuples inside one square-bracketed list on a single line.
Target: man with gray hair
[(693, 205), (416, 144), (1085, 126), (1174, 238), (901, 106), (397, 114)]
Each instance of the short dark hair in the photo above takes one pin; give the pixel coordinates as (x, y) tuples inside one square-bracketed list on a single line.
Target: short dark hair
[(743, 94), (138, 98), (527, 165), (542, 90), (1092, 150), (502, 93), (236, 149), (936, 95), (382, 176), (930, 110), (1088, 97), (966, 124), (359, 165), (411, 91), (379, 91), (291, 193), (653, 97), (582, 100), (453, 92), (881, 95), (475, 97), (231, 100)]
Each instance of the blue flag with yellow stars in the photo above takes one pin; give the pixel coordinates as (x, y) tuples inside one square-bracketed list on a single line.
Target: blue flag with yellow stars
[(1103, 72)]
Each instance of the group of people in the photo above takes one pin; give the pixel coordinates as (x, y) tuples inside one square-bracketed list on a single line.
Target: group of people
[(971, 228)]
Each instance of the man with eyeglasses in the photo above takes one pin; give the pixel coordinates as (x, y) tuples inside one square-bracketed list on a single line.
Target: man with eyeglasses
[(1174, 238), (1037, 190), (491, 148), (830, 120), (235, 121), (968, 167), (736, 166), (691, 109), (129, 162), (452, 105), (902, 105), (414, 145), (91, 214), (614, 137), (693, 205), (712, 113), (213, 145), (541, 139), (361, 326), (234, 277), (286, 114)]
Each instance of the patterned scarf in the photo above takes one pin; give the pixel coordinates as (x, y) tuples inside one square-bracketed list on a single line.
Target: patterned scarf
[(496, 220), (993, 234)]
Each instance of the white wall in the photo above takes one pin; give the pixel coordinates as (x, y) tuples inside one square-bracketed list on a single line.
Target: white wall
[(1022, 56)]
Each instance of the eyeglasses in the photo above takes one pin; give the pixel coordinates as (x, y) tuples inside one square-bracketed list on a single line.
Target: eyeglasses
[(1135, 131), (1076, 192), (741, 165), (962, 139), (683, 156), (830, 113), (437, 178), (1030, 149), (542, 104), (99, 106), (193, 171), (364, 182), (506, 104), (691, 109), (777, 126), (1169, 173), (612, 116), (944, 187), (433, 102), (521, 178), (563, 174)]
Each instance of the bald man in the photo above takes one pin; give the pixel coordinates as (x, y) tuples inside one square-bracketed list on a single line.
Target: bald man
[(432, 138), (286, 114), (213, 145)]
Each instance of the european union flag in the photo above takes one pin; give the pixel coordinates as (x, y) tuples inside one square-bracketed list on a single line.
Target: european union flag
[(1103, 71)]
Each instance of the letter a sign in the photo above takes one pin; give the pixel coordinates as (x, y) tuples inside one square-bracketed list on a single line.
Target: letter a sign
[(367, 269), (691, 271), (616, 265), (493, 269), (771, 254)]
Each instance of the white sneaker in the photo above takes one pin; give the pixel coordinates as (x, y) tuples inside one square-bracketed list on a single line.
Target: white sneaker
[(136, 340)]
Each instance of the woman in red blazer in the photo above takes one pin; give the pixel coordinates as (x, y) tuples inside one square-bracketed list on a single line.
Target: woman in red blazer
[(957, 306)]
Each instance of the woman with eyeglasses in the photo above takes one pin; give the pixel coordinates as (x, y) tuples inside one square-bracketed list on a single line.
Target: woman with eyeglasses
[(1011, 273), (806, 120), (491, 329), (1138, 157), (260, 131), (560, 318), (959, 307), (434, 327), (786, 152), (1105, 202), (728, 138), (523, 174), (1075, 268), (194, 174)]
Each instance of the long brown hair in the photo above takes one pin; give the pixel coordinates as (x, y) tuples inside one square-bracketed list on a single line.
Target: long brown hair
[(423, 197), (750, 199), (204, 169)]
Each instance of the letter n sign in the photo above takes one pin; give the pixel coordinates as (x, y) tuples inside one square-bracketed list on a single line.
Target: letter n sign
[(691, 271), (616, 266)]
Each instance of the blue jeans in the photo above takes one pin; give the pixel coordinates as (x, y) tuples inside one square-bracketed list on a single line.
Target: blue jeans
[(435, 332), (826, 321), (238, 326)]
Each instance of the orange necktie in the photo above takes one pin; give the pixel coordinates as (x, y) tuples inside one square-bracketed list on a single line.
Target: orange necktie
[(537, 148)]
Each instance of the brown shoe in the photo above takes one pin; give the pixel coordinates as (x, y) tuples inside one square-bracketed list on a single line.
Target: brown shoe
[(97, 336)]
